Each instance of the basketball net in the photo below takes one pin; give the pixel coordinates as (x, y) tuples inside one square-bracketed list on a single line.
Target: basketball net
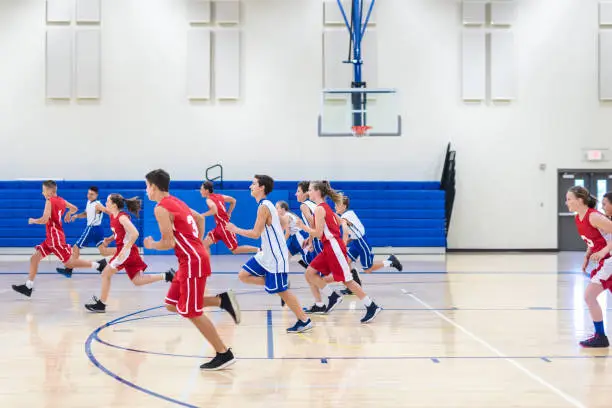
[(361, 131)]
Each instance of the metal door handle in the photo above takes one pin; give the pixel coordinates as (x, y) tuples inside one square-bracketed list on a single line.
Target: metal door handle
[(566, 214)]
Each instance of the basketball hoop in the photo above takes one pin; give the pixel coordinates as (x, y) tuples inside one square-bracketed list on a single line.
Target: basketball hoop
[(360, 131)]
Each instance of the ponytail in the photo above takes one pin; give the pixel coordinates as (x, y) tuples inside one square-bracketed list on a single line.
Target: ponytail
[(327, 191), (133, 204)]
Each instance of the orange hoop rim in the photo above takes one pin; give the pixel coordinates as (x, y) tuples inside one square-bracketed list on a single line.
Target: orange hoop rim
[(361, 130)]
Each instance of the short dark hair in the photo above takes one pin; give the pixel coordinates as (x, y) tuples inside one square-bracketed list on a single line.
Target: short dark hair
[(283, 205), (94, 189), (304, 185), (159, 178), (266, 181), (50, 184), (208, 185)]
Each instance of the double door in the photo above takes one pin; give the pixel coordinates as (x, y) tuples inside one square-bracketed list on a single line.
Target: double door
[(598, 182)]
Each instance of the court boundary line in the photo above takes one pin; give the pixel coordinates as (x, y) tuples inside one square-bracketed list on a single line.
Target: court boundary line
[(568, 398)]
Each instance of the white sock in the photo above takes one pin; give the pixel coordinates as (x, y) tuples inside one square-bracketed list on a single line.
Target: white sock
[(387, 262), (29, 284), (327, 291), (366, 301), (95, 265), (163, 275), (320, 304)]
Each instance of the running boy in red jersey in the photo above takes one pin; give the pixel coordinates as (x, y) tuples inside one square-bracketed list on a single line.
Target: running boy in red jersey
[(216, 205), (182, 229), (333, 259), (55, 241), (591, 224), (126, 256)]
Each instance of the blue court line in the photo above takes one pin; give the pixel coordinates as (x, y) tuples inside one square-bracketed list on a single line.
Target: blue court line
[(435, 360), (546, 359), (492, 357), (94, 334), (270, 335)]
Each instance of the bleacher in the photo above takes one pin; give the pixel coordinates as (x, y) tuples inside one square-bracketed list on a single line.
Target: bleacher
[(395, 214)]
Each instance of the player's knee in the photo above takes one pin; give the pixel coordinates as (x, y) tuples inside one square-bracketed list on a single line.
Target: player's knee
[(243, 276), (171, 308)]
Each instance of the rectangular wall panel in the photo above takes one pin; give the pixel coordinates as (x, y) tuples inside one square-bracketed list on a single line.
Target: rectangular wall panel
[(605, 65), (333, 15), (88, 63), (335, 50), (503, 13), (474, 12), (227, 64), (502, 66), (88, 11), (59, 11), (605, 13), (474, 65), (198, 11), (198, 64), (58, 60), (227, 11)]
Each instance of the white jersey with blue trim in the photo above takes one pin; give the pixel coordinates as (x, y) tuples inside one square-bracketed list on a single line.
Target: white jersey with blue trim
[(356, 229), (93, 219), (311, 206), (274, 253), (293, 228)]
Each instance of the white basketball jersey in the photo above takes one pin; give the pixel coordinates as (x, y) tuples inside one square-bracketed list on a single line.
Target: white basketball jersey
[(274, 253), (356, 230), (93, 219), (293, 228), (312, 206)]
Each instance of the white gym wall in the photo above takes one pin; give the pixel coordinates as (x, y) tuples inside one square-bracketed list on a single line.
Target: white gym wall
[(137, 113)]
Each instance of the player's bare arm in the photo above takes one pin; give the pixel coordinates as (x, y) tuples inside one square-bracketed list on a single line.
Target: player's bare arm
[(45, 217), (232, 204), (212, 208), (319, 217), (263, 218), (165, 227)]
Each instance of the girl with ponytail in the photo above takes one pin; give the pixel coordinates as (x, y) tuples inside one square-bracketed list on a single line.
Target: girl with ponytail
[(126, 257), (332, 262), (592, 226)]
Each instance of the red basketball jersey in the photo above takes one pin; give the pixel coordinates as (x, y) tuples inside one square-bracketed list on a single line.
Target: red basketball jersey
[(331, 229), (119, 230), (54, 227), (590, 234), (188, 248), (221, 218)]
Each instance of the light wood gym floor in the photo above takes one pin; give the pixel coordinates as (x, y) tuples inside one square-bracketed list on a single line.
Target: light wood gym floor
[(457, 331)]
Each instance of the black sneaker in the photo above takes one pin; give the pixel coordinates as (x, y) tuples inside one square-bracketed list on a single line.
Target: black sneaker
[(333, 300), (220, 361), (346, 291), (170, 275), (597, 341), (314, 309), (23, 289), (230, 305), (67, 272), (395, 263), (371, 312), (102, 265), (97, 306), (303, 264)]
